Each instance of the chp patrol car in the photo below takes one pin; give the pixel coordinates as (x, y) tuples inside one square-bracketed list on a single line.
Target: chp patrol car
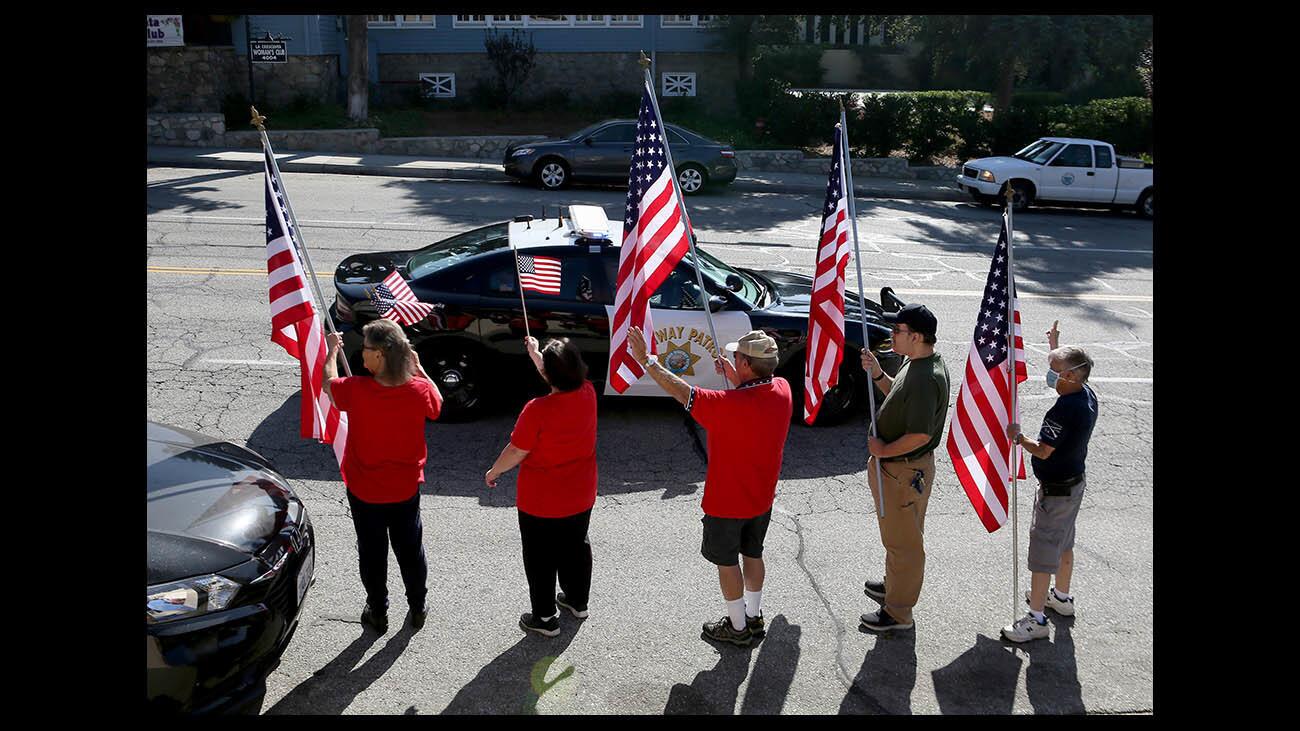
[(472, 344)]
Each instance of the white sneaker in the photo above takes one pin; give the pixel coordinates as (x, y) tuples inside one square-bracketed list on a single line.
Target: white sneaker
[(1025, 629), (1065, 608)]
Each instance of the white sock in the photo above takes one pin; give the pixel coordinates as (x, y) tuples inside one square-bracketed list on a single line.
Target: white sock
[(736, 610), (1038, 616), (1062, 597), (753, 603)]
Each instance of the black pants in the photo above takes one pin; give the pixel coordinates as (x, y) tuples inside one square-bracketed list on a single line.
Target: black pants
[(375, 524), (556, 547)]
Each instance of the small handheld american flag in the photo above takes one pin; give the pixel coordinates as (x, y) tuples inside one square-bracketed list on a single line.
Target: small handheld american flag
[(394, 300), (539, 273)]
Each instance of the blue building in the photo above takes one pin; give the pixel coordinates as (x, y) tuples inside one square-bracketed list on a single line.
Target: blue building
[(578, 56)]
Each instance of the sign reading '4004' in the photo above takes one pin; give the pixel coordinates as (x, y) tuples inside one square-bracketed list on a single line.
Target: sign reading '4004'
[(268, 51)]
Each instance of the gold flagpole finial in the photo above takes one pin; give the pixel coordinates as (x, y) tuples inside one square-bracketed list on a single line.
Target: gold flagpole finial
[(644, 61), (258, 119)]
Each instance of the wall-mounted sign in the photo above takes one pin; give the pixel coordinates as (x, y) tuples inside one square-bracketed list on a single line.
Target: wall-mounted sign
[(265, 51), (165, 30)]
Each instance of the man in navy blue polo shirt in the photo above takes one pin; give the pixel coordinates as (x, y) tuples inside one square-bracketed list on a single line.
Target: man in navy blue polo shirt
[(1058, 462)]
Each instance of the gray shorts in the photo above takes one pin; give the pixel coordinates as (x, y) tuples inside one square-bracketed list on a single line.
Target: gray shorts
[(1052, 532)]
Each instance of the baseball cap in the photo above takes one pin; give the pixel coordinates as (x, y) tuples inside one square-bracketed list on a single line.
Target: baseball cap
[(916, 316), (755, 344)]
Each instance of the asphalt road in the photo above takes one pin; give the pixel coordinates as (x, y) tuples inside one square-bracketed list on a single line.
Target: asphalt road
[(212, 367)]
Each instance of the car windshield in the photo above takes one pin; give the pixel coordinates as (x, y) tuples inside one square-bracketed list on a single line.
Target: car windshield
[(1040, 152), (457, 249), (750, 291)]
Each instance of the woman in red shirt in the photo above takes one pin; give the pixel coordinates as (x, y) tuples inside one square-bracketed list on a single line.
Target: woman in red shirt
[(383, 463), (555, 442)]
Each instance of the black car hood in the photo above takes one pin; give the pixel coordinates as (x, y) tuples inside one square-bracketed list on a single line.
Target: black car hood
[(210, 504), (370, 268), (795, 291)]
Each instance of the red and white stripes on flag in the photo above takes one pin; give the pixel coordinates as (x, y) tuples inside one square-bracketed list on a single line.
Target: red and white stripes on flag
[(394, 300), (826, 310), (295, 323), (654, 241), (977, 434), (539, 273)]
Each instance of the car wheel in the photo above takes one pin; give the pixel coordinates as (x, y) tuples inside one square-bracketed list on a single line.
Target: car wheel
[(840, 402), (1021, 196), (1146, 206), (691, 178), (552, 173), (458, 373)]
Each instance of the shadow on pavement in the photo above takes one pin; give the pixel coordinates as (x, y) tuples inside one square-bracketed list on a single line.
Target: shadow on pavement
[(180, 194), (330, 690), (1052, 677), (982, 680), (885, 681), (715, 691), (516, 680), (773, 672)]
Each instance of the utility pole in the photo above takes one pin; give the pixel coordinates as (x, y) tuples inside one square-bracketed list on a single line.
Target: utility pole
[(248, 48)]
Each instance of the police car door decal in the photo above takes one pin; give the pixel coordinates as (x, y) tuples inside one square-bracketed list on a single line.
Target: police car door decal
[(685, 347)]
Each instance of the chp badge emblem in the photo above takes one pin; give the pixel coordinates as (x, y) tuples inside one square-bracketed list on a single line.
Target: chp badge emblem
[(1068, 179), (679, 359)]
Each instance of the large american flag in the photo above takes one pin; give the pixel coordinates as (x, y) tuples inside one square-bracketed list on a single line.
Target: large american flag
[(977, 435), (539, 273), (826, 311), (394, 300), (295, 323), (654, 240)]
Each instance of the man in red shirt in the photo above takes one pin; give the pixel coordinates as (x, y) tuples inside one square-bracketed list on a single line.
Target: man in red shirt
[(747, 426)]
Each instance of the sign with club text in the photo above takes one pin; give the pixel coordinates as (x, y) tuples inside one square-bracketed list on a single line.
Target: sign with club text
[(165, 30)]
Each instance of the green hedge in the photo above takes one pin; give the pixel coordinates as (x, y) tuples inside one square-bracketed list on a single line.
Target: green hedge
[(930, 124)]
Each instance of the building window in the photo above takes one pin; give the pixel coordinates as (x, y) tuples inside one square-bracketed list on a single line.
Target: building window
[(593, 20), (400, 21), (625, 21), (438, 86), (689, 21), (470, 21), (679, 83), (547, 21)]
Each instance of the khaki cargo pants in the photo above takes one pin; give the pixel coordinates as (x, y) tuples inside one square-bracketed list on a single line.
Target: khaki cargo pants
[(902, 528)]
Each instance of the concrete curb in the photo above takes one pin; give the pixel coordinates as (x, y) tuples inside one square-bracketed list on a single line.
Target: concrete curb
[(472, 171)]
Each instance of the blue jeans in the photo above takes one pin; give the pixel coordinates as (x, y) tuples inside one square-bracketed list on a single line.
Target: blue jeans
[(376, 524)]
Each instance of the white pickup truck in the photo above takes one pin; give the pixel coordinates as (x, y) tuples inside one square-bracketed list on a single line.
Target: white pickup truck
[(1063, 170)]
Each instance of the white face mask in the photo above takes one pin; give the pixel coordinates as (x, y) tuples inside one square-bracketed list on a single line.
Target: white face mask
[(1053, 376)]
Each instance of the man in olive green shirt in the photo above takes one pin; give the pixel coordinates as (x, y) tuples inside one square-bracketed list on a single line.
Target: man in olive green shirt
[(909, 425)]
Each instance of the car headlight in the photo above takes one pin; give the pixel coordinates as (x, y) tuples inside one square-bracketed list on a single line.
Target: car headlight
[(987, 177), (523, 151), (189, 598)]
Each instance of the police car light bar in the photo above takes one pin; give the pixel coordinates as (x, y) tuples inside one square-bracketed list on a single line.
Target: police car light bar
[(589, 222)]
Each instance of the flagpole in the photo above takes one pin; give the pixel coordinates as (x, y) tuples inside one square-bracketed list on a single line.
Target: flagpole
[(519, 279), (846, 175), (296, 238), (1015, 414), (681, 204)]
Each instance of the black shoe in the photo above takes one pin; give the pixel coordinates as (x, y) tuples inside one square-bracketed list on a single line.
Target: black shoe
[(578, 611), (722, 631), (756, 625), (377, 620), (880, 621), (418, 616), (875, 590), (549, 627)]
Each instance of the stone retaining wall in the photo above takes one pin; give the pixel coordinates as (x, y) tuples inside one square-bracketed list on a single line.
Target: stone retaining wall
[(199, 78), (186, 130), (346, 141), (491, 148)]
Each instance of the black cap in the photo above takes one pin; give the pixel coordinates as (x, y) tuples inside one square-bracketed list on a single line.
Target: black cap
[(917, 317)]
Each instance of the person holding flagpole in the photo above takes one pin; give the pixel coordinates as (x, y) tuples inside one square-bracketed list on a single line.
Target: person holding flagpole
[(909, 428), (747, 427), (383, 462), (1058, 457), (554, 446)]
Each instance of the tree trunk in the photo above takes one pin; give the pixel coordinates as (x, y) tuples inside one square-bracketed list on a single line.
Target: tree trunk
[(744, 47), (358, 69), (1006, 85)]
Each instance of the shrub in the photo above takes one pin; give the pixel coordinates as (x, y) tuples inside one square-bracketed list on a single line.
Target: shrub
[(513, 56), (937, 121), (485, 95), (880, 126), (615, 104), (795, 65), (235, 108), (1123, 122)]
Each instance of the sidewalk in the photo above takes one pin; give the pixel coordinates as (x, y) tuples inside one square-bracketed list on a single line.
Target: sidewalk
[(754, 181)]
